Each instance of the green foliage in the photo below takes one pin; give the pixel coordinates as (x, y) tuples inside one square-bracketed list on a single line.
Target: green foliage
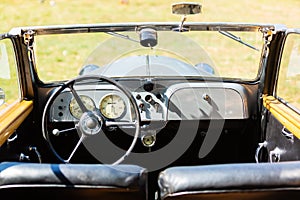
[(16, 13), (33, 12)]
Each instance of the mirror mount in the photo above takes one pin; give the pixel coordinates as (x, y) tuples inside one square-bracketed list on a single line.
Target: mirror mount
[(184, 9)]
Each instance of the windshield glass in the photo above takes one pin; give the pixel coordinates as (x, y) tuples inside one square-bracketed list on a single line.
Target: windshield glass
[(189, 54)]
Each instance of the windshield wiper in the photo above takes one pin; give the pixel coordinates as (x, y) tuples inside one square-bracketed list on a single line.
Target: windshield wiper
[(126, 37), (238, 39)]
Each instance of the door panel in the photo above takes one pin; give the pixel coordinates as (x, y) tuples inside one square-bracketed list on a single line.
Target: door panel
[(283, 117), (12, 116), (13, 110), (282, 132)]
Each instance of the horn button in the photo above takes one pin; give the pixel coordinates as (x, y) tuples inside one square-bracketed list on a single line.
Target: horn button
[(90, 123)]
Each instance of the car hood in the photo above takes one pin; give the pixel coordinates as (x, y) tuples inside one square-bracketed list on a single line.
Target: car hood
[(154, 66)]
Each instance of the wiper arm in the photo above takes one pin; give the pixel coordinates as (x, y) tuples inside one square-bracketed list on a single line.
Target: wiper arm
[(126, 37), (238, 39)]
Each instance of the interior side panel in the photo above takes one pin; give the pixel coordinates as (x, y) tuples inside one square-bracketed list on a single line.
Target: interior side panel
[(281, 141), (280, 147)]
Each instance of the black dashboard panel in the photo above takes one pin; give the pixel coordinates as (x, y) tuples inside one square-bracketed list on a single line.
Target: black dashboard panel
[(181, 101)]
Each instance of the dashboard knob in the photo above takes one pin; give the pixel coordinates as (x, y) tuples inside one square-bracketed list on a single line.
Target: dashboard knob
[(148, 86), (158, 96), (149, 99), (56, 132), (142, 107), (205, 97), (156, 106), (138, 97)]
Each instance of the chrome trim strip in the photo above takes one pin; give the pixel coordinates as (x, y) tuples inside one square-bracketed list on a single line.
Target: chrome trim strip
[(159, 26)]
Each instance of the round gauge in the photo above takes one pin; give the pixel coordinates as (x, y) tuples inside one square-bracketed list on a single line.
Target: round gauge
[(76, 110), (112, 106)]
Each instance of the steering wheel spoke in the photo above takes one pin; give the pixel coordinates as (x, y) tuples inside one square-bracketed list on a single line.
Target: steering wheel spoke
[(81, 139), (77, 98), (121, 123)]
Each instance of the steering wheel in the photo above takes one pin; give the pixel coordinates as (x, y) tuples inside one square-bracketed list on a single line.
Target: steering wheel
[(91, 122)]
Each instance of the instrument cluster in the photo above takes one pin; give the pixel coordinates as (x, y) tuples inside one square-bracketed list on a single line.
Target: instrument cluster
[(112, 104)]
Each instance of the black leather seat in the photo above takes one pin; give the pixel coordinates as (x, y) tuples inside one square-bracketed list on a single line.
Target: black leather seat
[(232, 181), (72, 181)]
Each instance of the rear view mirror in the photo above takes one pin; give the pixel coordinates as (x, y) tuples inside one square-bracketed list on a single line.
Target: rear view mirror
[(186, 8), (2, 96)]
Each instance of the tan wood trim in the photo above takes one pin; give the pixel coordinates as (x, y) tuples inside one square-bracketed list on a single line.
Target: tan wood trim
[(285, 115), (12, 116)]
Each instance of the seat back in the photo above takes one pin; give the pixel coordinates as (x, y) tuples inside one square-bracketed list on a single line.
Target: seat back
[(232, 181), (72, 181)]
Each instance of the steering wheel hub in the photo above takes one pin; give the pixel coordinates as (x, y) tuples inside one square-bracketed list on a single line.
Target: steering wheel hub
[(90, 123)]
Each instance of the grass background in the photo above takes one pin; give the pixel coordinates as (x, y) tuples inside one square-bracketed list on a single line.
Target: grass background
[(33, 12), (50, 12)]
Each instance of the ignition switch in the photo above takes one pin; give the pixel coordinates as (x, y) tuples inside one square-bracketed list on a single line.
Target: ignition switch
[(148, 140)]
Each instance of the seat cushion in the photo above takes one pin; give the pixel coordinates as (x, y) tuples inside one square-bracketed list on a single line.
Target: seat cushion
[(229, 178), (95, 178)]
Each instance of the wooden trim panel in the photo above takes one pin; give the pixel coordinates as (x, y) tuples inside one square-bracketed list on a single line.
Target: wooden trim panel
[(289, 118), (12, 116)]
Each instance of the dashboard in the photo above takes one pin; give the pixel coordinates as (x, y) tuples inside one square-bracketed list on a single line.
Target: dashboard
[(178, 101)]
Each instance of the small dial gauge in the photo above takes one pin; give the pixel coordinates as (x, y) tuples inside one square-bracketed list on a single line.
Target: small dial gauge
[(76, 110), (112, 106)]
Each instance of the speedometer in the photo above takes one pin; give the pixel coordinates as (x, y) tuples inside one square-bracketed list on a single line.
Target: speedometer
[(112, 106), (76, 110)]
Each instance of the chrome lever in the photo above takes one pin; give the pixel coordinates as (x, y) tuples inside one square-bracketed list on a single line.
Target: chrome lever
[(260, 146), (286, 133), (276, 153)]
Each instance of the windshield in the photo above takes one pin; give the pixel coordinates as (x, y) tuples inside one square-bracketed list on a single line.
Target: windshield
[(194, 54)]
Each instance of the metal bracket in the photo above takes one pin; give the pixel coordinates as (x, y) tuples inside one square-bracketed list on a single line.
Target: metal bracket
[(267, 33), (28, 41), (35, 150), (28, 37), (275, 154), (260, 146)]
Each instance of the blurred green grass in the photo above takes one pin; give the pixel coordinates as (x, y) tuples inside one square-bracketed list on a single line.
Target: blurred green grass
[(26, 13), (16, 13), (51, 12)]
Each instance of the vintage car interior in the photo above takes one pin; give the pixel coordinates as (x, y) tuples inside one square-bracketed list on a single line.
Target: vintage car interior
[(154, 110)]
